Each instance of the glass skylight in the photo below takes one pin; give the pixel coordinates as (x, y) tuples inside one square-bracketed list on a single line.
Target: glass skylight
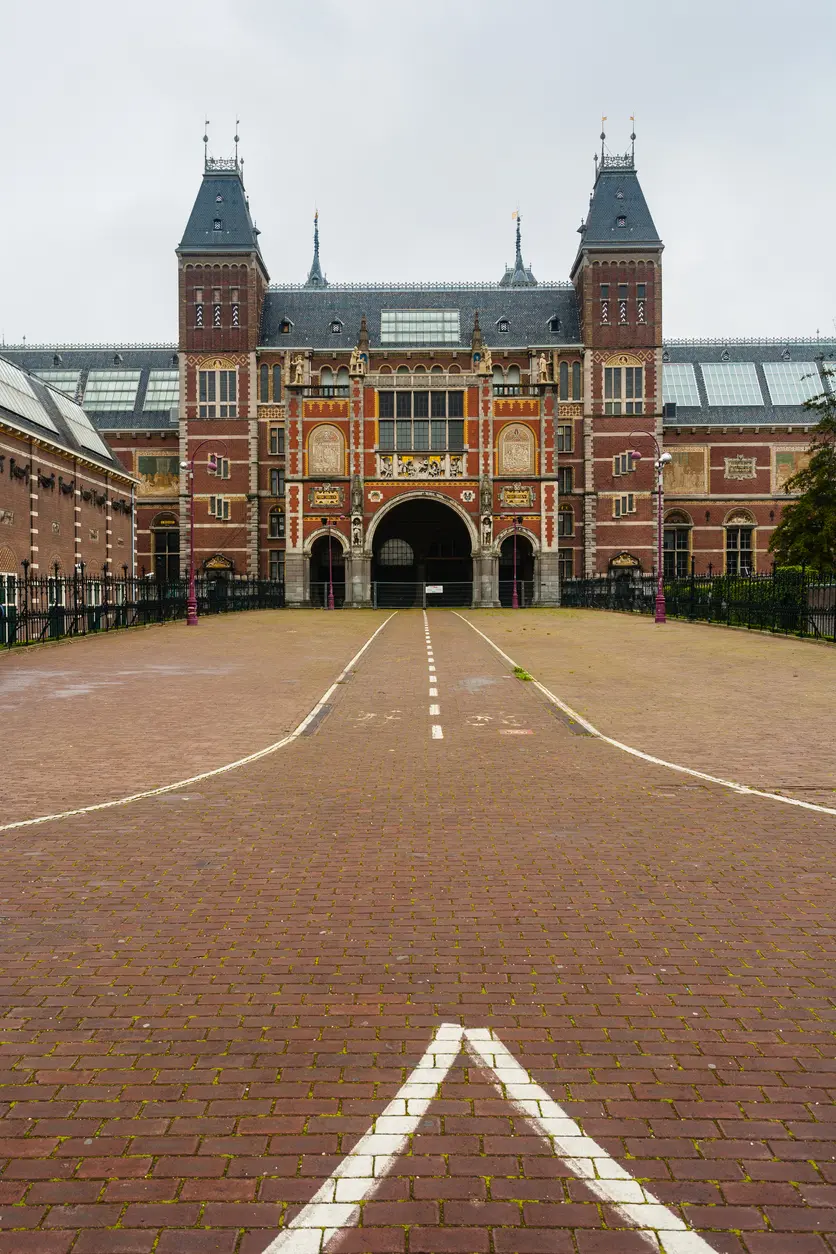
[(111, 389), (80, 425), (18, 395), (64, 380), (731, 383), (792, 382), (679, 383), (419, 326), (163, 391)]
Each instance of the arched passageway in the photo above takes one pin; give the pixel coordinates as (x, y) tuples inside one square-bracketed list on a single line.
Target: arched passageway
[(422, 555), (327, 574), (523, 568)]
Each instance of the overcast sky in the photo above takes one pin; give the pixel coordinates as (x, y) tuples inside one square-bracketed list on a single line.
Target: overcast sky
[(416, 128)]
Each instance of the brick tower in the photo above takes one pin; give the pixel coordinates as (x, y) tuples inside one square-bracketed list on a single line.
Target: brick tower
[(618, 278), (221, 284)]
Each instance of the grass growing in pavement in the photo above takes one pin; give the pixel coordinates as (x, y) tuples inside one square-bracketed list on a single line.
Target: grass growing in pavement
[(520, 673)]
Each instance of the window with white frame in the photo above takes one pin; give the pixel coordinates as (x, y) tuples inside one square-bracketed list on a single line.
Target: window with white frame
[(623, 389), (565, 522), (277, 482), (219, 507), (792, 382), (218, 394), (624, 504), (163, 391), (565, 480), (277, 441), (623, 464), (739, 549), (566, 563), (564, 438), (276, 568), (419, 326), (8, 591), (275, 524), (109, 390), (679, 384), (731, 383), (221, 470)]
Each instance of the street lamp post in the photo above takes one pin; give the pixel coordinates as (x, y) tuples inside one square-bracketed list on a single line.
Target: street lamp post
[(515, 600), (326, 522), (212, 464), (660, 463)]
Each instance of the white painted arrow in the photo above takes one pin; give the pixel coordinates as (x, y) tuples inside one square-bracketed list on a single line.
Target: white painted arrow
[(336, 1204)]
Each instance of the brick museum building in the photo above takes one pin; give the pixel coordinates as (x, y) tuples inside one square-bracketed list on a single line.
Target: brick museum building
[(419, 433)]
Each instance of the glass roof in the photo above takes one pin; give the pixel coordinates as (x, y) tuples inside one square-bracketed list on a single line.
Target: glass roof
[(80, 425), (792, 382), (17, 395), (419, 326), (731, 383), (163, 391), (111, 389), (64, 380), (679, 383)]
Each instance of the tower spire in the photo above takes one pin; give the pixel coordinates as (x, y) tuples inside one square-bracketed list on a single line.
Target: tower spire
[(633, 140), (205, 142), (315, 276), (237, 124)]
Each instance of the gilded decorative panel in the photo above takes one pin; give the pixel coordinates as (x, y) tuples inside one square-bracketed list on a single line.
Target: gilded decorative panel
[(516, 450), (687, 472), (158, 474), (326, 451), (740, 468)]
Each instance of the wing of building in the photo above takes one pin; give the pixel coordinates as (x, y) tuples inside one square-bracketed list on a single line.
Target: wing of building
[(385, 440)]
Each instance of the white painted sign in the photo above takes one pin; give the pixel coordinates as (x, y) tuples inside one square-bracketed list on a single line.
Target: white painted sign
[(435, 587), (336, 1204)]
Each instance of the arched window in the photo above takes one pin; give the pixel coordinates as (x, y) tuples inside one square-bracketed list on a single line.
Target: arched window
[(740, 543), (275, 525), (277, 383), (396, 553), (676, 552), (455, 368), (326, 377), (342, 377), (564, 381), (385, 369), (498, 375), (512, 380), (576, 380), (565, 522), (263, 381), (402, 370), (436, 370), (420, 370)]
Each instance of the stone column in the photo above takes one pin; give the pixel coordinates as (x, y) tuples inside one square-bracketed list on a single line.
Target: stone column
[(296, 579), (548, 592), (358, 580)]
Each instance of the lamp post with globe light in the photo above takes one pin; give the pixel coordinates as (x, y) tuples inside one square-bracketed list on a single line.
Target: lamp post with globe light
[(188, 466), (660, 463)]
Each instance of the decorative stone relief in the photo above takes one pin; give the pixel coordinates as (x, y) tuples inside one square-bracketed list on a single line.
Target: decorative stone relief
[(326, 451), (516, 450), (325, 494), (467, 495), (516, 496), (741, 468), (375, 496)]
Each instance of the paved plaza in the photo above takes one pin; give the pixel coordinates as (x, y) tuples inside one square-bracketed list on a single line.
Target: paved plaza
[(443, 973)]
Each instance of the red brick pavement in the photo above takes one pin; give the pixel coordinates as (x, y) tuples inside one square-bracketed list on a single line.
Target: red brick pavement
[(204, 1005)]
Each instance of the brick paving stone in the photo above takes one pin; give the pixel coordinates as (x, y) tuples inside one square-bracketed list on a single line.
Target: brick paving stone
[(204, 1007)]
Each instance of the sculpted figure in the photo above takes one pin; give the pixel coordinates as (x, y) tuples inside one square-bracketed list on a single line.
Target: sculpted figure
[(486, 364), (298, 371), (542, 369)]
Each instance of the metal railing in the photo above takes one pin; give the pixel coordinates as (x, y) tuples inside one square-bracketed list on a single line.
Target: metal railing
[(790, 601), (34, 609), (525, 592), (515, 389), (427, 595), (319, 590)]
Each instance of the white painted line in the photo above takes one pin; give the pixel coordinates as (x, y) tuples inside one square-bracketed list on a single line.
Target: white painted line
[(433, 692), (336, 1204), (435, 710), (438, 734), (648, 757), (219, 770)]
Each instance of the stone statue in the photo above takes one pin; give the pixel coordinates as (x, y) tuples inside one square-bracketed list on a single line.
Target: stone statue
[(486, 495), (354, 362), (356, 495), (357, 532), (298, 365), (486, 364), (542, 369)]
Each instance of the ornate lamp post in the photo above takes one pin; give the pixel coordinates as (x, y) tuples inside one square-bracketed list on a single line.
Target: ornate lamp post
[(326, 522), (515, 600), (188, 466), (660, 463)]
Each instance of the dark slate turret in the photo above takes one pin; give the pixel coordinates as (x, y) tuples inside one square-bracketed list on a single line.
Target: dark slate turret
[(618, 216), (520, 275), (220, 221), (315, 276)]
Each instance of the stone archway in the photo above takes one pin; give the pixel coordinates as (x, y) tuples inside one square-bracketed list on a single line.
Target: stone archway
[(422, 552)]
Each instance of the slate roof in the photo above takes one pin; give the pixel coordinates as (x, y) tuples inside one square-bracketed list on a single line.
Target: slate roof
[(57, 429), (821, 352), (85, 358), (220, 199), (617, 194), (529, 311)]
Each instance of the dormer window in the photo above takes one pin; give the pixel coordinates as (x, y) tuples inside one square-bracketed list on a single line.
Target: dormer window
[(554, 326), (336, 327), (503, 326), (217, 225), (219, 199), (284, 327), (619, 195), (621, 220)]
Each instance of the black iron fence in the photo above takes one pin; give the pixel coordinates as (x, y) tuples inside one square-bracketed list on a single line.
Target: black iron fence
[(792, 602), (387, 595), (38, 608)]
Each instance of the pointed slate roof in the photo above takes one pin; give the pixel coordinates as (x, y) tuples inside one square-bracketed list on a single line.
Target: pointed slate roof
[(220, 221), (520, 275), (315, 276), (618, 215)]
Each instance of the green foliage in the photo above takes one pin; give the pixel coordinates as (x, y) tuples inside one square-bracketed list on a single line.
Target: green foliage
[(806, 534)]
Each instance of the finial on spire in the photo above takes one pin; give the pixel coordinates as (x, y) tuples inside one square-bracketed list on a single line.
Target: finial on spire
[(315, 276), (518, 258), (603, 135), (205, 141), (633, 139), (237, 124)]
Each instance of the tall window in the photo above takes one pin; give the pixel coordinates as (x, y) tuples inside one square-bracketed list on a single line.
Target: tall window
[(565, 563), (219, 507), (565, 522), (277, 482), (623, 390), (564, 380), (676, 552), (198, 306), (277, 441), (605, 304), (277, 383), (625, 504), (623, 463), (275, 526), (421, 421), (576, 380), (641, 302), (276, 568), (235, 306), (739, 552), (565, 476), (564, 438), (218, 394), (263, 383)]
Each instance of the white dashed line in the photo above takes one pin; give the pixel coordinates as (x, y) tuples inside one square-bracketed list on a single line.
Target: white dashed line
[(438, 734), (435, 710), (433, 692)]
